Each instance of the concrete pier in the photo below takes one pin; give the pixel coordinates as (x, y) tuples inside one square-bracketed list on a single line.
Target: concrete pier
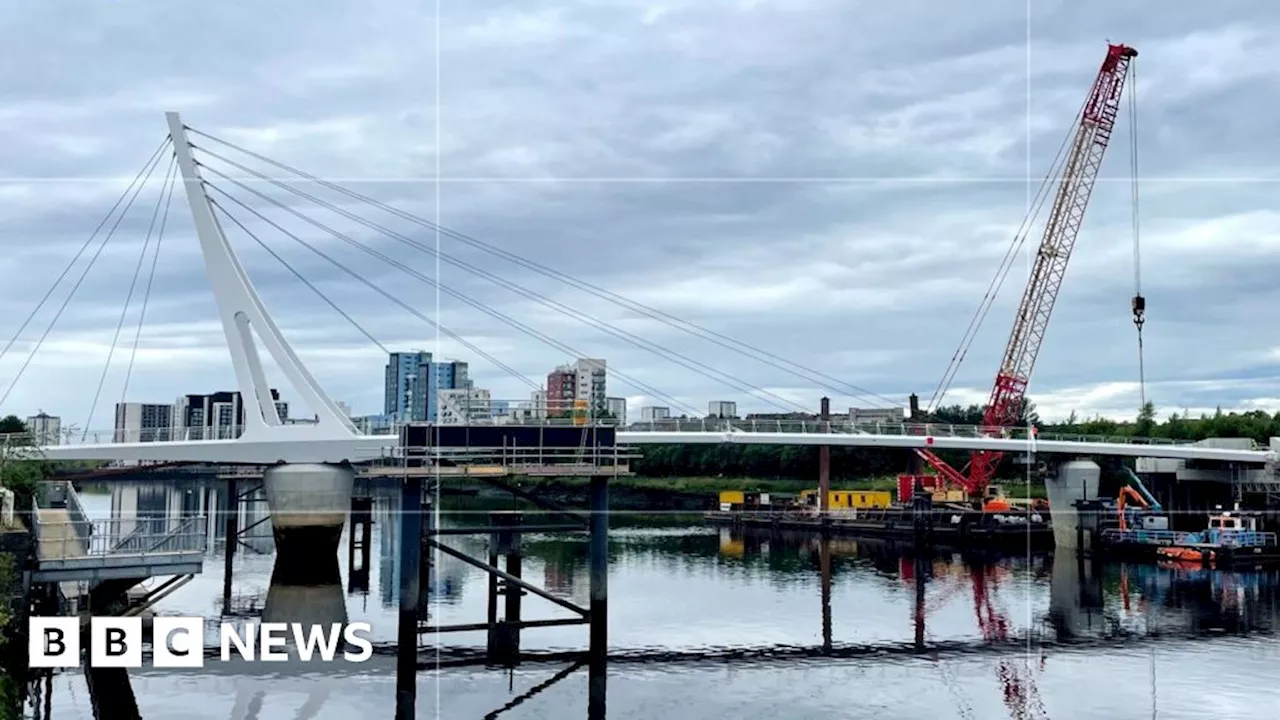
[(308, 505), (1071, 481), (305, 592), (1076, 608)]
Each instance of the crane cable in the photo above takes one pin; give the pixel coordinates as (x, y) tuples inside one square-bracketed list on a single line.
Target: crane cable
[(1139, 303)]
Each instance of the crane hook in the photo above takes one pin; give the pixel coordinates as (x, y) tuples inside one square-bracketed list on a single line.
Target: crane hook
[(1139, 305)]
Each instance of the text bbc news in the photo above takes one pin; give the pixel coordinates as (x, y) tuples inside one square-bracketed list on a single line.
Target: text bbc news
[(179, 642)]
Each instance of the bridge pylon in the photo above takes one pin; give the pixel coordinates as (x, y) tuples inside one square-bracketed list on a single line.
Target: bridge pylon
[(308, 502)]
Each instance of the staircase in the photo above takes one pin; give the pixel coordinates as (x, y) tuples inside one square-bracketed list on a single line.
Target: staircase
[(71, 548)]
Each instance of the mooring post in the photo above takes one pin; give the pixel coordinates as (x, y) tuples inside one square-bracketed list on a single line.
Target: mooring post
[(232, 532), (596, 688), (407, 638), (427, 533), (492, 615), (919, 608), (824, 462), (358, 544), (824, 567), (514, 593), (915, 466), (599, 566)]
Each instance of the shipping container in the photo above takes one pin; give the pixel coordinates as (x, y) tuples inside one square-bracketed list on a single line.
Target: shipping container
[(850, 499)]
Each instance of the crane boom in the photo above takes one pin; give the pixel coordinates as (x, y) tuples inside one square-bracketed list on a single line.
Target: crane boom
[(1080, 169)]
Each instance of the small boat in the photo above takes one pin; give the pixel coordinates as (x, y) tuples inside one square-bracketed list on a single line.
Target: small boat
[(1229, 538), (1190, 555)]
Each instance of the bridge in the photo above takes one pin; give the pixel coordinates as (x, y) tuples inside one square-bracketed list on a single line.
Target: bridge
[(109, 445), (332, 438), (308, 480), (309, 475)]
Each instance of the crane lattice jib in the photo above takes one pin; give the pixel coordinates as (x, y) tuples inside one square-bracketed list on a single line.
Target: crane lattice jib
[(1096, 123)]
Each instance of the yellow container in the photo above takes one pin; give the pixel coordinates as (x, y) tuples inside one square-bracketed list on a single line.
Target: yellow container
[(732, 497), (852, 499), (863, 499)]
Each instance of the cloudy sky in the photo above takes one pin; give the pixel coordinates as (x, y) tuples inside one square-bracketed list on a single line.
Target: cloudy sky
[(831, 181)]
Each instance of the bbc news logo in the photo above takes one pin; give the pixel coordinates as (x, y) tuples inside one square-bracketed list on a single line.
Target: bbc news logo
[(179, 642)]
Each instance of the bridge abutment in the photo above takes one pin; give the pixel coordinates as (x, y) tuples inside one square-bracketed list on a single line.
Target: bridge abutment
[(1067, 483), (308, 503)]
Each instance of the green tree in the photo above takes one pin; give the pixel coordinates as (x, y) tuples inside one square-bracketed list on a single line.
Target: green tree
[(1146, 424), (21, 466)]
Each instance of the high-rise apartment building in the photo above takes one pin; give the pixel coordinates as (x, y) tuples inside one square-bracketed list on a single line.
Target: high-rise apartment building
[(216, 416), (722, 409), (452, 375), (144, 422), (464, 406), (617, 407), (581, 385), (413, 383), (45, 429), (562, 384), (407, 386), (653, 413), (592, 377)]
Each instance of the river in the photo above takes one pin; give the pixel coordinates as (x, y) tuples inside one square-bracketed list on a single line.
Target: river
[(706, 624)]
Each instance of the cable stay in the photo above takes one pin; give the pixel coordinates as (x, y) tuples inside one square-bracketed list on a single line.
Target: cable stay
[(644, 388), (128, 197), (146, 295), (165, 189), (368, 283), (592, 321), (765, 357), (1051, 179)]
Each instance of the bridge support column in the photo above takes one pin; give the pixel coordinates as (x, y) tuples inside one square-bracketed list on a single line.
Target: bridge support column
[(308, 505), (1066, 484), (1075, 598), (824, 463), (411, 510), (598, 564), (358, 544)]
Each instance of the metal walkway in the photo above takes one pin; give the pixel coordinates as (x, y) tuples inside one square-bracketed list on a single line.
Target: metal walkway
[(70, 547)]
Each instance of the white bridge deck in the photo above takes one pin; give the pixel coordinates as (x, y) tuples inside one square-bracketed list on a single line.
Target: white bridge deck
[(939, 436)]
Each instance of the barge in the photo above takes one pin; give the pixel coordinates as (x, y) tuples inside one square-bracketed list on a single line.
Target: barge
[(871, 514), (1141, 531), (1229, 540)]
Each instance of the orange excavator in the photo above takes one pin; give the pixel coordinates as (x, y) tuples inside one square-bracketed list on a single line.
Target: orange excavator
[(1128, 492)]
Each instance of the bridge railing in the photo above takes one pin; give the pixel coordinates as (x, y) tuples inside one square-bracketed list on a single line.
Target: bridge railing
[(60, 494), (120, 537), (1239, 538), (897, 429), (835, 426)]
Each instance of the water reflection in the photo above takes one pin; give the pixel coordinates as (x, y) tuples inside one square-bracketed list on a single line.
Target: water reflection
[(794, 614)]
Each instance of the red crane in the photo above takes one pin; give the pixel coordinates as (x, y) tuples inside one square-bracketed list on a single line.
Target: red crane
[(1093, 131)]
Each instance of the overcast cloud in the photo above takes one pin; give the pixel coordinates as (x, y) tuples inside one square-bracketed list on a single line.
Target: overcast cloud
[(830, 180)]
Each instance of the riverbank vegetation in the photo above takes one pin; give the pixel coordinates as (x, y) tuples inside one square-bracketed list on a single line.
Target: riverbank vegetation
[(730, 466)]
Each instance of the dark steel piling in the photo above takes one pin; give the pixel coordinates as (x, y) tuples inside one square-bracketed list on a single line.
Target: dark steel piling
[(410, 565)]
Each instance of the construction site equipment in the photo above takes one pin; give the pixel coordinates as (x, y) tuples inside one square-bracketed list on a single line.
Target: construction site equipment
[(849, 499), (1080, 167)]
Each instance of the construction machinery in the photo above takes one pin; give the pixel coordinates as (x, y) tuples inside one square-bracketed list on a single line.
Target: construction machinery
[(1079, 170), (1150, 517)]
